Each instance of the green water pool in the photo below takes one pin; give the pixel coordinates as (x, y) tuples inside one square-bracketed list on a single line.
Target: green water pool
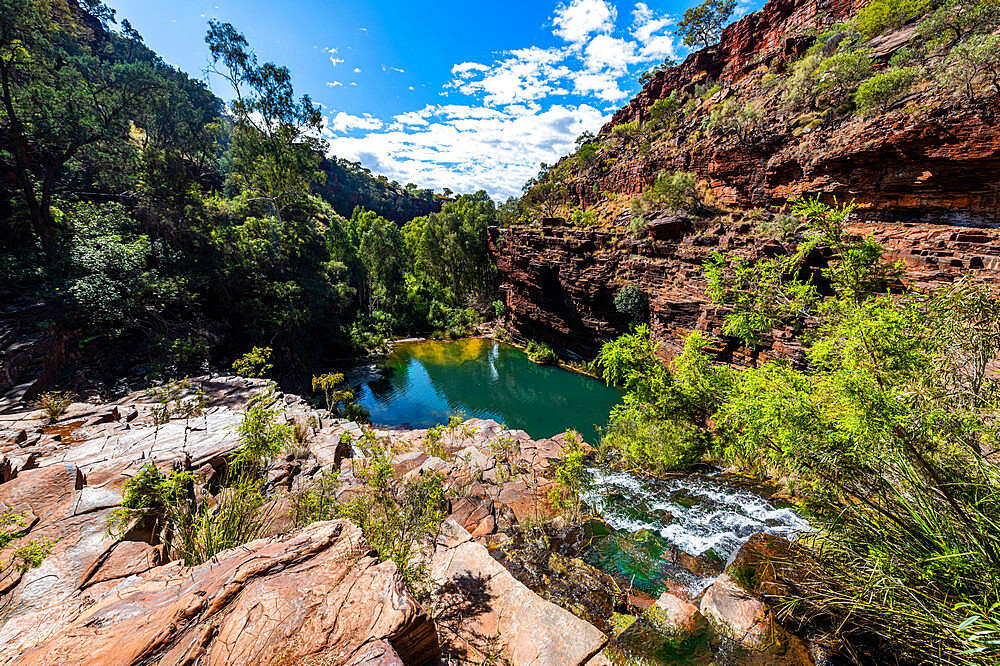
[(424, 383)]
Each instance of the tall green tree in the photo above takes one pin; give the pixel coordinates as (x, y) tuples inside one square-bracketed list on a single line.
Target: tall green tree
[(65, 92), (702, 25), (276, 150)]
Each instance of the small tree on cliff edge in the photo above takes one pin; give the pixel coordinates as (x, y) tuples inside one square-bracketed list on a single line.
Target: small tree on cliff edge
[(702, 25)]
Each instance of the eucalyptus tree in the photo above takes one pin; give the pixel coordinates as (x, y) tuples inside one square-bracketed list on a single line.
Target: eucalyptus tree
[(276, 147)]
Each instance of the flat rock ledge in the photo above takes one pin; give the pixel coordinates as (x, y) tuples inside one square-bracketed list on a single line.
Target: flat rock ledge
[(318, 595)]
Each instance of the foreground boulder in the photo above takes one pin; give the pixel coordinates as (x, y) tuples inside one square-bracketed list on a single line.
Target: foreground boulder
[(316, 596), (484, 613)]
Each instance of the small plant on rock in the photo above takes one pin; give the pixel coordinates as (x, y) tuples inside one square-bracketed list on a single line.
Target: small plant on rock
[(55, 403), (540, 353), (571, 478)]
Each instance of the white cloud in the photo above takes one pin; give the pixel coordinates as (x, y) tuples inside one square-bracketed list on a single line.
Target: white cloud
[(468, 148), (579, 19), (345, 121), (357, 70), (386, 68), (651, 32), (512, 112), (329, 49), (333, 84), (604, 86), (336, 61), (605, 52)]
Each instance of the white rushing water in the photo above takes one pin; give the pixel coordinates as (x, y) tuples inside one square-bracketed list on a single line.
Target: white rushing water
[(711, 515)]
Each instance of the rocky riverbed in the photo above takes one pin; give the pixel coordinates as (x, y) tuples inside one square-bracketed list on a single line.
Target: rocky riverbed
[(511, 579)]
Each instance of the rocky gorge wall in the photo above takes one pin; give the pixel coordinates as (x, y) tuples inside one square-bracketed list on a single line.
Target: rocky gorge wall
[(924, 175), (559, 283)]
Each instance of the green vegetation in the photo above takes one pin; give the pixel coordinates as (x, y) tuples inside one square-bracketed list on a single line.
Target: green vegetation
[(888, 431), (222, 239), (879, 92), (254, 363), (196, 523), (396, 518), (702, 25), (539, 352), (731, 117), (879, 16), (30, 554), (632, 302), (670, 191), (570, 479)]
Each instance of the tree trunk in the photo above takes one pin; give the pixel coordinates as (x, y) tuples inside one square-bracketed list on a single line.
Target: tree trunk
[(41, 218)]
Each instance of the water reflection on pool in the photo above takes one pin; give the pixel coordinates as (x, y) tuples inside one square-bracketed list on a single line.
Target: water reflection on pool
[(423, 383)]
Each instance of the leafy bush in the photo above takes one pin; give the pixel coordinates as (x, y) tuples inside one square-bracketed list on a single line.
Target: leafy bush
[(539, 352), (665, 111), (570, 479), (498, 309), (879, 16), (254, 364), (671, 191), (584, 218), (631, 302), (396, 518), (27, 556), (889, 431), (261, 436), (195, 526), (970, 64), (780, 226), (731, 117), (842, 72), (880, 91)]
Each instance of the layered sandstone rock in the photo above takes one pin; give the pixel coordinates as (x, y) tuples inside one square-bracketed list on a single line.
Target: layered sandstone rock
[(316, 596), (484, 613), (924, 174)]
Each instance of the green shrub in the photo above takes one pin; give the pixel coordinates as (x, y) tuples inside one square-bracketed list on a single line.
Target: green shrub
[(879, 92), (397, 518), (842, 72), (631, 302), (584, 218), (254, 363), (261, 436), (195, 526), (731, 117), (539, 352), (972, 64), (889, 431), (672, 191), (879, 16), (780, 226), (570, 479)]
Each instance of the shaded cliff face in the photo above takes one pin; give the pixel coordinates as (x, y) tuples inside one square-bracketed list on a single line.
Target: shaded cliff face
[(925, 175), (560, 283)]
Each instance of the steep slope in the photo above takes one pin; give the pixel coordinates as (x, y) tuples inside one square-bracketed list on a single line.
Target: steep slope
[(922, 168)]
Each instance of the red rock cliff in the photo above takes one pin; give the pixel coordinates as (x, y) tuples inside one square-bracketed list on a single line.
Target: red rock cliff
[(925, 174)]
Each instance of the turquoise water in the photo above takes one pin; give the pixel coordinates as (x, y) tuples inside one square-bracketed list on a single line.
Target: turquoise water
[(423, 383)]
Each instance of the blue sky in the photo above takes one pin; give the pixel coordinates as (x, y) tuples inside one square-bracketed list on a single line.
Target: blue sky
[(467, 95)]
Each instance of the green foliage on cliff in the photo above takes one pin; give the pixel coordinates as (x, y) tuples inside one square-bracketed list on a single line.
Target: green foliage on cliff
[(888, 431)]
